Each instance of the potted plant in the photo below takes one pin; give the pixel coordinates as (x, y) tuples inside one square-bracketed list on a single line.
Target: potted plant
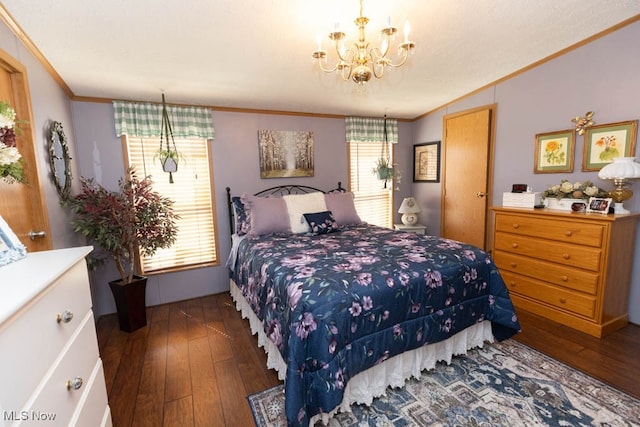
[(123, 223), (383, 169)]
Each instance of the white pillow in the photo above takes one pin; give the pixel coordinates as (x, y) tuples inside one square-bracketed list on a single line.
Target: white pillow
[(300, 204)]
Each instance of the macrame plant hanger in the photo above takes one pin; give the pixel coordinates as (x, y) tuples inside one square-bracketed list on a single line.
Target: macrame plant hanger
[(385, 151), (168, 156)]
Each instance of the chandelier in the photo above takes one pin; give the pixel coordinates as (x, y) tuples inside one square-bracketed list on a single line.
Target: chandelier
[(361, 61)]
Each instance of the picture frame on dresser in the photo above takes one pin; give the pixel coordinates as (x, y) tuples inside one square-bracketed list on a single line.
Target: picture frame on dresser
[(599, 205), (603, 143), (11, 249), (554, 152)]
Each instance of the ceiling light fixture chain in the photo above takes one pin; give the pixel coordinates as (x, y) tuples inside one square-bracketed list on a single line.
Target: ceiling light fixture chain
[(360, 62)]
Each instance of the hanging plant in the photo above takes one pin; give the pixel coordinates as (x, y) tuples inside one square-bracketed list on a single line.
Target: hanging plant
[(383, 168), (168, 153)]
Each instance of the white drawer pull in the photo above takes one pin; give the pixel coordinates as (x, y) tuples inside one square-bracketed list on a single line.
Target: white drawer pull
[(75, 383), (65, 317)]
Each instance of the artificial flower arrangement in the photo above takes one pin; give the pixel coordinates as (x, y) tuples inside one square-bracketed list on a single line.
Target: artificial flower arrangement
[(11, 162), (577, 190)]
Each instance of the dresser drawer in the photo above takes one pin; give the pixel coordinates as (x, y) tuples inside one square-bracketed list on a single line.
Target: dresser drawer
[(94, 410), (78, 360), (583, 281), (544, 293), (35, 338), (576, 232), (562, 253)]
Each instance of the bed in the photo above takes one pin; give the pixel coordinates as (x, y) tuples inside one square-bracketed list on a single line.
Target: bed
[(345, 309)]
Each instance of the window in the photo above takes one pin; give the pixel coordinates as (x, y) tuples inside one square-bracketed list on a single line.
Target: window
[(192, 193), (372, 200)]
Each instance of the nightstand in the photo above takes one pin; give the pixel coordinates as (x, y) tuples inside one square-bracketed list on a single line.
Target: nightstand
[(416, 228)]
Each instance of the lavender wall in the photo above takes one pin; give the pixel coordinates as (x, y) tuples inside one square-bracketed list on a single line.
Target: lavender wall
[(602, 76), (235, 165)]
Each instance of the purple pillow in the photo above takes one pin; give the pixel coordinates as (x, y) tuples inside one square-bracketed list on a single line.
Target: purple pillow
[(321, 222), (342, 207), (267, 215)]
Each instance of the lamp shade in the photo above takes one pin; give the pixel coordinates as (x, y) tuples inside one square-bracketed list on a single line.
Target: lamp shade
[(621, 168), (409, 205)]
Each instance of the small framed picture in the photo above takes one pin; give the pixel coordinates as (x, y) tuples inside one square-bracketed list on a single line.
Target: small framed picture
[(11, 249), (599, 205), (426, 162), (578, 206), (554, 152), (604, 143)]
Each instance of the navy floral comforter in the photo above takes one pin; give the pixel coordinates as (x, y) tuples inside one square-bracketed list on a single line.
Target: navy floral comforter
[(337, 304)]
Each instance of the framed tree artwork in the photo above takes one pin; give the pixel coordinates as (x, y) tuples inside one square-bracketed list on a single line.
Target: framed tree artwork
[(554, 152), (604, 143), (426, 162), (285, 153)]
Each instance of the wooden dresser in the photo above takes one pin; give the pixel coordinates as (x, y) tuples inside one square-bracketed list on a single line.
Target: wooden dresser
[(573, 268), (49, 362)]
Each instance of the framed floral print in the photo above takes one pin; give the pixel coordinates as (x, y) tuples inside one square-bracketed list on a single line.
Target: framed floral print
[(426, 162), (554, 152), (604, 143)]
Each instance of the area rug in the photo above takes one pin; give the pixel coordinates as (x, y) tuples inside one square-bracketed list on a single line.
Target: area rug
[(502, 384)]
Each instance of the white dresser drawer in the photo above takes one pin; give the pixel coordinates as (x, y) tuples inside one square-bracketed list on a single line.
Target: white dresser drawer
[(35, 338), (93, 410), (77, 360)]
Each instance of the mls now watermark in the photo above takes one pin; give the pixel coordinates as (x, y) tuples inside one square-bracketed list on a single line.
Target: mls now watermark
[(28, 416)]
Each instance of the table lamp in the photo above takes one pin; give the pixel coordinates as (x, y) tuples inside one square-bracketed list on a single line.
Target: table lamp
[(620, 171), (409, 210)]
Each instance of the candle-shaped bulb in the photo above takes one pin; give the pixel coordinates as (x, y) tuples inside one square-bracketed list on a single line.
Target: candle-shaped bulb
[(319, 40), (407, 29)]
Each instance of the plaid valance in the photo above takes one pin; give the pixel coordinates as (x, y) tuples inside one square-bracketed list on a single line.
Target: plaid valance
[(144, 119), (370, 129)]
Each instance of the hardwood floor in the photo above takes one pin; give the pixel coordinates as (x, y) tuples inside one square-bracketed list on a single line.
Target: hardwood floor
[(196, 361)]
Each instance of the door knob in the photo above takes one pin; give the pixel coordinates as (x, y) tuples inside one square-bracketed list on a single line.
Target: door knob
[(37, 234), (480, 194)]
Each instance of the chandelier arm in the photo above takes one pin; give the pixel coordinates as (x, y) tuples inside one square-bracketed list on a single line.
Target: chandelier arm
[(405, 56)]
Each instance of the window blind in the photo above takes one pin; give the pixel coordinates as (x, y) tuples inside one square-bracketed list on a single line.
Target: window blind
[(193, 199), (373, 202)]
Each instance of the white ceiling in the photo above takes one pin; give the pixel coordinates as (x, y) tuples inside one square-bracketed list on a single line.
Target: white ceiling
[(257, 54)]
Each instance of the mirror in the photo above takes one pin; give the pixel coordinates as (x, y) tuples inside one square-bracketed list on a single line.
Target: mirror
[(60, 160)]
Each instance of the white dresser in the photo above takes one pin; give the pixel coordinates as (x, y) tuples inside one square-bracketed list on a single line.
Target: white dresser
[(50, 369)]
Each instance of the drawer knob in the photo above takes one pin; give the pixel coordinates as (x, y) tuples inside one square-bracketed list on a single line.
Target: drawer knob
[(512, 284), (514, 265), (514, 245), (65, 317), (75, 383), (516, 225), (563, 301), (564, 278), (566, 256), (568, 233)]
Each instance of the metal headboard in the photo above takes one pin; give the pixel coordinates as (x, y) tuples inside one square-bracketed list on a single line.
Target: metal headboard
[(278, 191)]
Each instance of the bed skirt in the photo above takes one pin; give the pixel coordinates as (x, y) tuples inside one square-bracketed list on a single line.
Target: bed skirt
[(362, 388)]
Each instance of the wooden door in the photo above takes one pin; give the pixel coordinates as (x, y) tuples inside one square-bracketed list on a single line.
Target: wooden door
[(22, 205), (466, 176)]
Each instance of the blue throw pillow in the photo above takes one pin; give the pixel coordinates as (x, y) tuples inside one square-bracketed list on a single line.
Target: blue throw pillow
[(321, 222)]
